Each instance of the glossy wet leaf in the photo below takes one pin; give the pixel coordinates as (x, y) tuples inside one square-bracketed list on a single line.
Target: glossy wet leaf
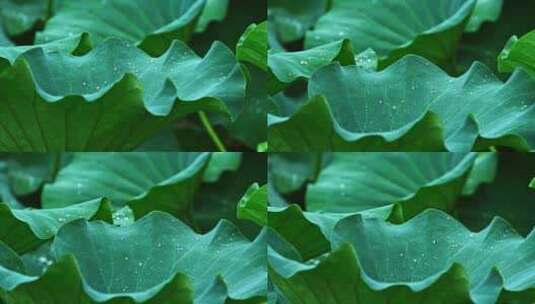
[(411, 106), (122, 97), (179, 267), (387, 263), (24, 229)]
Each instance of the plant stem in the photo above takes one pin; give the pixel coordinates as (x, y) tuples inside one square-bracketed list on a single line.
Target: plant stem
[(213, 135)]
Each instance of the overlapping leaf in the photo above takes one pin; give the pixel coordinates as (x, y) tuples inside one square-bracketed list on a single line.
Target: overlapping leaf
[(410, 106), (291, 19), (25, 229), (151, 25), (355, 182), (112, 98), (396, 28), (431, 257), (142, 181)]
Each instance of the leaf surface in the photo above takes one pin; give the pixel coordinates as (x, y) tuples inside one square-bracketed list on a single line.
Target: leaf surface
[(58, 101), (152, 25), (25, 229), (144, 181), (412, 105), (394, 29), (355, 182), (431, 257), (158, 259)]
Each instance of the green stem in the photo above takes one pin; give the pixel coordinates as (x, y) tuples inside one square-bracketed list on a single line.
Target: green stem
[(213, 135)]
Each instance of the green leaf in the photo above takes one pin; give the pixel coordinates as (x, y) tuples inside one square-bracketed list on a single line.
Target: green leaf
[(252, 46), (25, 229), (27, 172), (253, 205), (291, 19), (143, 181), (288, 67), (158, 259), (430, 258), (19, 17), (113, 98), (485, 11), (518, 53), (219, 163), (394, 28), (214, 10), (355, 182), (483, 172), (410, 106), (152, 26), (309, 232), (288, 172)]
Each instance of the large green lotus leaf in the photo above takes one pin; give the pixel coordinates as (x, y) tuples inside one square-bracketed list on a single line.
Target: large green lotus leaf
[(518, 53), (392, 28), (147, 181), (291, 19), (144, 265), (508, 196), (430, 259), (88, 92), (412, 105), (485, 11), (309, 232), (20, 16), (25, 229), (151, 25), (354, 182)]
